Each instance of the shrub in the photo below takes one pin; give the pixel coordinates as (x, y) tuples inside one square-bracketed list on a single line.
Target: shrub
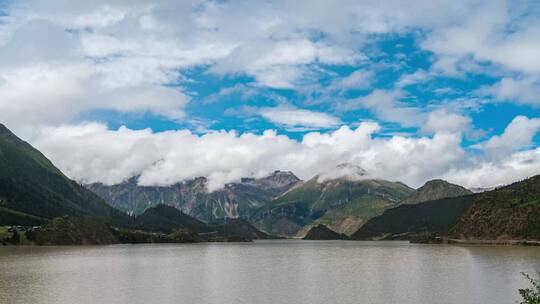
[(531, 295)]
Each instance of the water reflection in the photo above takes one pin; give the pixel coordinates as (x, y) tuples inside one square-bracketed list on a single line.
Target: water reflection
[(266, 272)]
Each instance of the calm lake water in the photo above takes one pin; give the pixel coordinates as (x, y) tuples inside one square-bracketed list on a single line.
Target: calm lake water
[(266, 272)]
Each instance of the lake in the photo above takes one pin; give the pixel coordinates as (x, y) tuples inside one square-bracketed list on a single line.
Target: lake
[(281, 271)]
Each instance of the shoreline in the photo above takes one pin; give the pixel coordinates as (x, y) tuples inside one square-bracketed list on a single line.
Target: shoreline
[(452, 241), (495, 242)]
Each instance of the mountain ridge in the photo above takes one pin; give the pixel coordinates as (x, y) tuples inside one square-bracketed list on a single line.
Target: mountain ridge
[(321, 232), (330, 202), (510, 212), (436, 189), (191, 196)]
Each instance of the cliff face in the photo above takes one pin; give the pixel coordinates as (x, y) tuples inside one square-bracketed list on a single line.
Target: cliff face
[(191, 197)]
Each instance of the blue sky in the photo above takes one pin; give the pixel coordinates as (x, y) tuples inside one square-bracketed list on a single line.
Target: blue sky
[(406, 91), (388, 57)]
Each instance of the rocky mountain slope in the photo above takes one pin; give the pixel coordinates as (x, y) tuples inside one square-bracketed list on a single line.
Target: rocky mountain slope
[(506, 213), (234, 200), (33, 189), (434, 190), (343, 204)]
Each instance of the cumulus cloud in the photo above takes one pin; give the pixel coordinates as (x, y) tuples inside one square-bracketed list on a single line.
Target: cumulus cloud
[(54, 84), (51, 95), (486, 174), (91, 153), (518, 134), (443, 121)]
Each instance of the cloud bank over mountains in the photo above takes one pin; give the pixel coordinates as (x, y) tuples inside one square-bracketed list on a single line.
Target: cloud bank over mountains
[(93, 153), (404, 90)]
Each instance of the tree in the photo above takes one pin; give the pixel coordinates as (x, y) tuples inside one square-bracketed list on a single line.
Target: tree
[(531, 295)]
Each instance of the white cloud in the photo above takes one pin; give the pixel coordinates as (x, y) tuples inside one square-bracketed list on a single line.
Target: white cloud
[(91, 153), (517, 135), (357, 80), (123, 45), (485, 174), (409, 79), (293, 117), (443, 121), (49, 94), (520, 90), (242, 91), (499, 32), (278, 64), (386, 105)]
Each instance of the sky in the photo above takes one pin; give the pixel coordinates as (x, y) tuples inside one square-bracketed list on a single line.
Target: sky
[(172, 90)]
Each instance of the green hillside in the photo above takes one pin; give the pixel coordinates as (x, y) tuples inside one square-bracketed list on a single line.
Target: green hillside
[(342, 204), (510, 212), (321, 232), (12, 217), (31, 184), (507, 213), (434, 190), (165, 218), (404, 221)]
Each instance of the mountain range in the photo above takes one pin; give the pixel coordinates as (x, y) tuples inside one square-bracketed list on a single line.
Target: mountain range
[(280, 204), (342, 204), (506, 213), (33, 192), (235, 200), (434, 190)]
